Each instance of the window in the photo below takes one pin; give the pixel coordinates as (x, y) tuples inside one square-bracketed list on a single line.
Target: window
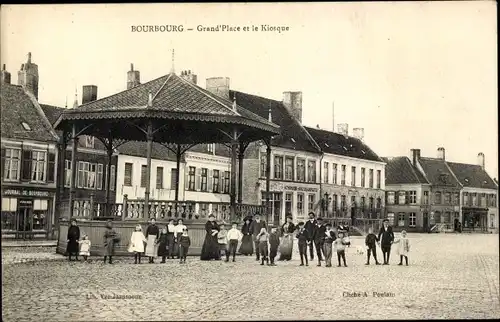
[(88, 141), (12, 164), (353, 201), (216, 184), (191, 178), (363, 177), (227, 177), (447, 217), (474, 200), (342, 175), (379, 176), (278, 167), (127, 176), (100, 176), (412, 220), (334, 174), (370, 179), (493, 200), (326, 167), (437, 198), (310, 199), (466, 198), (353, 176), (159, 177), (391, 197), (173, 178), (370, 205), (301, 170), (343, 206), (263, 162), (67, 173), (401, 219), (144, 175), (379, 203), (112, 178), (88, 174), (204, 179), (334, 202), (401, 197), (362, 203), (26, 126), (211, 147), (40, 208), (288, 203), (38, 159), (426, 197), (9, 215), (483, 200), (447, 198), (413, 197), (456, 198), (289, 166), (311, 171), (390, 216), (300, 204)]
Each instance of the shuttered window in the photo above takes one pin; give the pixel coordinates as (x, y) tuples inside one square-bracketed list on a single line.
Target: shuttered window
[(173, 178), (204, 179), (127, 177), (192, 178), (144, 175), (216, 185), (159, 177)]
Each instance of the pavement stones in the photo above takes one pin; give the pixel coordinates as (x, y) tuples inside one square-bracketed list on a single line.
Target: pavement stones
[(450, 276)]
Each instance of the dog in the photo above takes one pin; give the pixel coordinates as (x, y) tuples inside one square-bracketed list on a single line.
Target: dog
[(360, 250)]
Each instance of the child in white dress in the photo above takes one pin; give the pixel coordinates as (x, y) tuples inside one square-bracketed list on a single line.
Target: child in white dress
[(85, 247), (403, 248), (136, 244)]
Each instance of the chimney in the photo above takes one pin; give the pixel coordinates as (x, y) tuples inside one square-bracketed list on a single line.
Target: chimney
[(219, 86), (293, 102), (441, 153), (5, 75), (480, 159), (27, 77), (415, 156), (187, 75), (358, 133), (133, 77), (89, 94), (343, 128)]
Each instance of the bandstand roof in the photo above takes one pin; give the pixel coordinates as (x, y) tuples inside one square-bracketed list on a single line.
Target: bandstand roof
[(181, 112)]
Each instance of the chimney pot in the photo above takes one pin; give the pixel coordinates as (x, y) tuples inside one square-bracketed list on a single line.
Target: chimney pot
[(133, 77), (219, 86), (415, 154), (358, 133), (27, 77), (343, 128), (441, 153), (89, 93), (481, 160), (5, 76)]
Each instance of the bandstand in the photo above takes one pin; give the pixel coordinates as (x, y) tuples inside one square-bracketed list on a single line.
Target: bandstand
[(170, 111)]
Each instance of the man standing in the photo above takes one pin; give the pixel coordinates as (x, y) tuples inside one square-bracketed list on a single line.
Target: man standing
[(310, 226), (319, 238), (386, 240), (255, 228)]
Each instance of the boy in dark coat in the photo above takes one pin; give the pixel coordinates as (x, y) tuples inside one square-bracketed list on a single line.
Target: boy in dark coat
[(274, 242), (304, 240), (319, 238), (386, 238), (371, 242), (310, 226), (256, 226), (184, 243)]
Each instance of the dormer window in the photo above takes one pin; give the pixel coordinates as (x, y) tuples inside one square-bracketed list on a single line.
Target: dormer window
[(466, 180), (89, 142), (292, 139), (443, 178), (344, 148), (326, 144), (26, 126), (363, 151)]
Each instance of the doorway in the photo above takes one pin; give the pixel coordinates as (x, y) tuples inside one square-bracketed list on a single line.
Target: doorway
[(25, 219), (426, 221)]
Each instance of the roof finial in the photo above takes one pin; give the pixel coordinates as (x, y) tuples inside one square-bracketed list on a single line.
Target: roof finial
[(270, 116), (66, 104), (173, 61), (29, 58), (131, 67), (75, 103)]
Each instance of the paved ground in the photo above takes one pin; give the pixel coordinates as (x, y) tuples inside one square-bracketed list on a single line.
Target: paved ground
[(450, 276)]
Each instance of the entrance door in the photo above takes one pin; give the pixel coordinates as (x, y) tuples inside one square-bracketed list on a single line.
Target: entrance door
[(426, 221), (25, 219), (276, 197)]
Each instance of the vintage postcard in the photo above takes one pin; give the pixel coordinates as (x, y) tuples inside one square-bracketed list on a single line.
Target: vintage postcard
[(240, 161)]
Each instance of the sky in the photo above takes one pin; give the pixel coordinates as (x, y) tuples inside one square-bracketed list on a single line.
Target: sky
[(412, 74)]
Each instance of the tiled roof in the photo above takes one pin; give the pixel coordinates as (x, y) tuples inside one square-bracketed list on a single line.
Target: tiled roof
[(220, 150), (339, 144), (399, 170), (138, 149), (293, 135), (436, 171), (471, 175), (17, 106)]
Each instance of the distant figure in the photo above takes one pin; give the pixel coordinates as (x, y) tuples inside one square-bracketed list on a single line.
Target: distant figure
[(210, 249), (310, 226), (85, 247), (233, 237), (371, 245), (286, 246), (184, 243), (404, 248), (263, 238), (274, 242), (136, 244), (72, 240), (386, 238), (304, 240), (110, 239), (256, 227), (246, 247), (152, 236)]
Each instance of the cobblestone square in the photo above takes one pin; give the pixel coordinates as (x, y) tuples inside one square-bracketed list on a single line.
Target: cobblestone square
[(449, 276)]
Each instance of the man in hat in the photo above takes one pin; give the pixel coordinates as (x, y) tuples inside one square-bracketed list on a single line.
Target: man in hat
[(319, 238), (386, 238), (255, 227), (310, 226)]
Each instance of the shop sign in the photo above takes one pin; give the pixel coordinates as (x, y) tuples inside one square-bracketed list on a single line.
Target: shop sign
[(25, 193), (287, 187)]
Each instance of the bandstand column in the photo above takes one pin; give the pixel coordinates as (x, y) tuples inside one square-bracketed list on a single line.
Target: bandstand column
[(268, 177), (108, 174), (177, 174), (74, 150), (232, 186), (149, 136), (241, 155)]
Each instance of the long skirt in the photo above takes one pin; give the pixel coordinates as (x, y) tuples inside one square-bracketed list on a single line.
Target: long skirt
[(286, 247), (109, 247), (210, 249), (72, 247), (246, 247), (151, 246), (162, 249)]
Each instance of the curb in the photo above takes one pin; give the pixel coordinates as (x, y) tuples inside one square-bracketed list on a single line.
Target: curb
[(13, 244)]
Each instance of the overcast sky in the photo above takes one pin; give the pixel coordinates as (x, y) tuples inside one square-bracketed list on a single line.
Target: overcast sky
[(413, 75)]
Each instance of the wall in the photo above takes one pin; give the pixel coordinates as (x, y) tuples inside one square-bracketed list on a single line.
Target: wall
[(491, 210), (418, 208)]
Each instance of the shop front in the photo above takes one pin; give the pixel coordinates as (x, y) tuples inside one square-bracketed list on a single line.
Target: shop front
[(475, 218), (27, 213), (291, 198)]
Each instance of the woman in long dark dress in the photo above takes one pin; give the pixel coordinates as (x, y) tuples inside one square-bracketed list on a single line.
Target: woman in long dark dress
[(163, 244), (111, 238), (246, 247), (210, 249), (72, 240), (286, 246)]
